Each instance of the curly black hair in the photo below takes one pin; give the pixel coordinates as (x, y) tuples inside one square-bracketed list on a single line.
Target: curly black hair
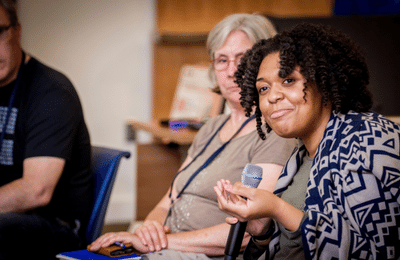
[(327, 58)]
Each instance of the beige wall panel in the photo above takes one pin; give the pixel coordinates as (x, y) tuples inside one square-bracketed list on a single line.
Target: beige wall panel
[(201, 15)]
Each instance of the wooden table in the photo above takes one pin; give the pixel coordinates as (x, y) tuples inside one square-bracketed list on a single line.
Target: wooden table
[(164, 133)]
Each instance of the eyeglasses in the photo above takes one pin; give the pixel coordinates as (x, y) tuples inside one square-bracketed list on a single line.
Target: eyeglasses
[(222, 63), (3, 30)]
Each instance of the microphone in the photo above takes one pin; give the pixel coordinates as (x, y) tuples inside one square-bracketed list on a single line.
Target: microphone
[(251, 177)]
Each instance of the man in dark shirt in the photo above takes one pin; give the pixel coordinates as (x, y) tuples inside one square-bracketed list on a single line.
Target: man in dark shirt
[(46, 188)]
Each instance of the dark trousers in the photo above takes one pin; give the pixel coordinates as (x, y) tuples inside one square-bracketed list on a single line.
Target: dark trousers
[(29, 236)]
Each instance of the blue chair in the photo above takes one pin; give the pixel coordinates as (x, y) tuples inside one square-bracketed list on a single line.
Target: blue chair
[(105, 162)]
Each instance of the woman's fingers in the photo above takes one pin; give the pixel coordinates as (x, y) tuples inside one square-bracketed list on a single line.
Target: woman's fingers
[(107, 240), (153, 235), (239, 201), (231, 220)]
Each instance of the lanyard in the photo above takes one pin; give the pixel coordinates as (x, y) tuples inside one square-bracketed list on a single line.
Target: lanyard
[(11, 102), (210, 159)]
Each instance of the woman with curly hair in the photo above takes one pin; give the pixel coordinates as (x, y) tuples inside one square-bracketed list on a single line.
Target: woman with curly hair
[(338, 194)]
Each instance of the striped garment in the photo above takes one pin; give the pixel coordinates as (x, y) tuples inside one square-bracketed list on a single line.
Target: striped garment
[(352, 201)]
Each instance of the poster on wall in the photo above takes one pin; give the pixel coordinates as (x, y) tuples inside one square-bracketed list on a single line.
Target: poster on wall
[(193, 98)]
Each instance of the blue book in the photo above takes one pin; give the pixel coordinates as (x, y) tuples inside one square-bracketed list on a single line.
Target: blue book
[(87, 255)]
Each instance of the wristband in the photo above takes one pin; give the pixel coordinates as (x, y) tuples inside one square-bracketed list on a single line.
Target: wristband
[(267, 235)]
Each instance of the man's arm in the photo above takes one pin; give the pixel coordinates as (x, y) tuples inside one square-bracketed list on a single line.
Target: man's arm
[(35, 188)]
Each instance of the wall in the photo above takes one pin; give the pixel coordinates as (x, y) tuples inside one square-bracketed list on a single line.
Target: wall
[(105, 48), (195, 16)]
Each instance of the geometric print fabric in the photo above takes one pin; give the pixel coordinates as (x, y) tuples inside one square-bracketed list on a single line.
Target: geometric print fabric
[(6, 153), (352, 201)]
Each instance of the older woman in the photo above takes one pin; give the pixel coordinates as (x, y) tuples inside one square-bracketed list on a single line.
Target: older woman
[(189, 210), (338, 195)]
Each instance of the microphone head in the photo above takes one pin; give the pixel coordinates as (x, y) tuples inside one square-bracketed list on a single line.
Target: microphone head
[(251, 175)]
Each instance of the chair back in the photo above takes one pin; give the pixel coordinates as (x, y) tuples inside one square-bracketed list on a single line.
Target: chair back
[(104, 166)]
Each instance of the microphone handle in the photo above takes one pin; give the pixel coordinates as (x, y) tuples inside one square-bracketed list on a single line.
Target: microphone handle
[(234, 242)]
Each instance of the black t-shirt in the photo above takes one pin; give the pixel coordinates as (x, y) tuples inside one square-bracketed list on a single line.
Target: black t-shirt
[(47, 120)]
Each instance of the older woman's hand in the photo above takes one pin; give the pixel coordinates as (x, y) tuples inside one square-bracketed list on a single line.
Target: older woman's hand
[(122, 237), (153, 235)]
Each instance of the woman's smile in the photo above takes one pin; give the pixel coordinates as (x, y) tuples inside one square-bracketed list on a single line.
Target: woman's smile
[(279, 113)]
